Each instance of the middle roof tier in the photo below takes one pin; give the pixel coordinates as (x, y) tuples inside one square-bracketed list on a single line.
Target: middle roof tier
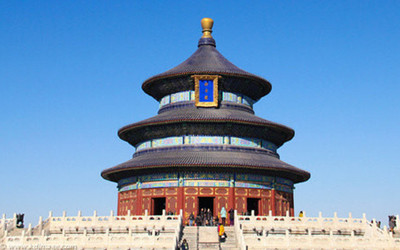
[(185, 118)]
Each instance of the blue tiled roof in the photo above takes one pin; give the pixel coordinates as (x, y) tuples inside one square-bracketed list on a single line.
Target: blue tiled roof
[(207, 60), (189, 113), (212, 156)]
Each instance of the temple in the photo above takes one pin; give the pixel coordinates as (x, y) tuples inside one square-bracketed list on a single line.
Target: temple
[(206, 148)]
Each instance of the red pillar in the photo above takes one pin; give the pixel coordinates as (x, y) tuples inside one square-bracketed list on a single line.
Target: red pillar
[(273, 202), (119, 204), (231, 198), (231, 201), (139, 202), (291, 205), (180, 204)]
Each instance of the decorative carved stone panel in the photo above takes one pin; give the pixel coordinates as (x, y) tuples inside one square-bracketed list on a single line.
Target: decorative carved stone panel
[(159, 191), (171, 191), (132, 205), (240, 203), (222, 201), (171, 204), (254, 192), (279, 209), (286, 207), (146, 204), (206, 191), (147, 192), (221, 191), (241, 191), (191, 191), (266, 206), (191, 205), (266, 193), (282, 195)]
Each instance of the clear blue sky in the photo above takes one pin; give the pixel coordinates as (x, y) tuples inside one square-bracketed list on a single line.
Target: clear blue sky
[(71, 75)]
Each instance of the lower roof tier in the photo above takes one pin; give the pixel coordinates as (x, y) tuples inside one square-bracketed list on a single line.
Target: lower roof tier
[(228, 157)]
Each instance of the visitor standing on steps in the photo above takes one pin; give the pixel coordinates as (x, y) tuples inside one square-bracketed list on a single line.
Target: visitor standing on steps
[(184, 245), (209, 217), (191, 219), (198, 220), (221, 233), (223, 215), (203, 216), (216, 220), (231, 217)]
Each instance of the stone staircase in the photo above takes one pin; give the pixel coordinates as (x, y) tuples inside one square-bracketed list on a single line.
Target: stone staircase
[(207, 238), (190, 234), (231, 241)]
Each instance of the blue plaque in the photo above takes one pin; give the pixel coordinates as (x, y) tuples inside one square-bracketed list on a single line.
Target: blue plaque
[(206, 90)]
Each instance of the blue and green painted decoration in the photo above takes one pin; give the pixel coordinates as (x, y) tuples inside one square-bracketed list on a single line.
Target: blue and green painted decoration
[(205, 179)]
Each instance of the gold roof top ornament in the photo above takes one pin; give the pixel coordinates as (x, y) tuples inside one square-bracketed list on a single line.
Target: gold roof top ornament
[(207, 24)]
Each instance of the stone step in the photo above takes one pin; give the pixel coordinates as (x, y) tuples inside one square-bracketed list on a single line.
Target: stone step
[(208, 235), (208, 238), (224, 244), (230, 242), (190, 234)]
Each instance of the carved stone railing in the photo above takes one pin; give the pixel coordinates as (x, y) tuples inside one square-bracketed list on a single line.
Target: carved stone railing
[(81, 241), (239, 232), (147, 231), (286, 231), (7, 224), (118, 223)]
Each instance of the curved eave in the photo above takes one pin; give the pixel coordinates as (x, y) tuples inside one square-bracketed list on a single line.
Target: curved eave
[(199, 158), (191, 114), (263, 83), (206, 60), (128, 128)]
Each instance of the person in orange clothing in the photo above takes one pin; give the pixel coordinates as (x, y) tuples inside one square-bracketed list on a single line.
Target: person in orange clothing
[(221, 232)]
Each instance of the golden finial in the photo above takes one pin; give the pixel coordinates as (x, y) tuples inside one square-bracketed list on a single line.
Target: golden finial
[(207, 24)]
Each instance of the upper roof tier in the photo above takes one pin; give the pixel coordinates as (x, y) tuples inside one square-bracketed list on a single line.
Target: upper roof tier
[(206, 60)]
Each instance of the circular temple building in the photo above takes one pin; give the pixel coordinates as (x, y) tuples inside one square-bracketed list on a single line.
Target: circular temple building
[(205, 148)]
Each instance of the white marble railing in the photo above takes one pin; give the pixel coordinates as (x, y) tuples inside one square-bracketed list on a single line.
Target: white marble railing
[(239, 232), (7, 223), (147, 231), (90, 241), (304, 222), (111, 221), (285, 231)]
